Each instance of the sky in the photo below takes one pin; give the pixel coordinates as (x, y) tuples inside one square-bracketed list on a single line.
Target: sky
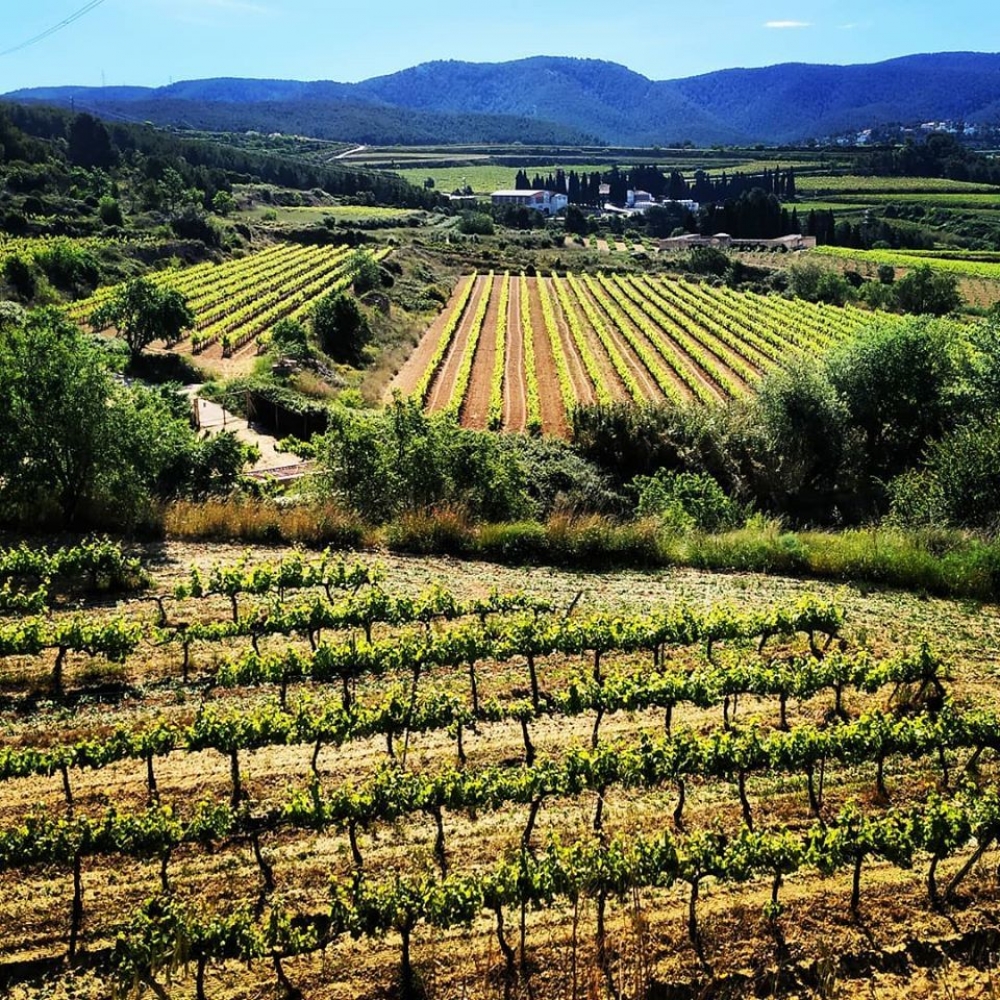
[(154, 42)]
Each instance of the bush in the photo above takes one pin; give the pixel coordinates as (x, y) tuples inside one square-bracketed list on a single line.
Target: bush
[(685, 501), (708, 260), (897, 381), (559, 479), (67, 265), (341, 328), (965, 468), (290, 339), (475, 224), (110, 212), (401, 460), (816, 284), (925, 290), (19, 272)]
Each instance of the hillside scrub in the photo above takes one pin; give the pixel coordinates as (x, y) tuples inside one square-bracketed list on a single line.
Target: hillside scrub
[(823, 437)]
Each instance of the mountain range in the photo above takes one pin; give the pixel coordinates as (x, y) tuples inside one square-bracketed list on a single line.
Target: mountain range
[(565, 100)]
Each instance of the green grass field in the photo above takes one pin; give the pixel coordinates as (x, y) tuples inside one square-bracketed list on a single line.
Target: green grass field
[(873, 186), (487, 178), (306, 215)]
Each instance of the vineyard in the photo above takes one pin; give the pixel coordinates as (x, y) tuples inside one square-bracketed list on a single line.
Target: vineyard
[(962, 265), (238, 302), (317, 774), (518, 353)]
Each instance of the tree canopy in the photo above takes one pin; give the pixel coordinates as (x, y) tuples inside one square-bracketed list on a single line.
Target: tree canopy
[(141, 312), (80, 445)]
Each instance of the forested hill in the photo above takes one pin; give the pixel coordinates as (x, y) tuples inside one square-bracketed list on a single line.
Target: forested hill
[(555, 99)]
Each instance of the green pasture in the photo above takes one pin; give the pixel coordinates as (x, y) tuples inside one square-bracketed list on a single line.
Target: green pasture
[(309, 214), (869, 186)]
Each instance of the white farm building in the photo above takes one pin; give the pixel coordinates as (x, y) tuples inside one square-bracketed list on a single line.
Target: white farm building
[(546, 202)]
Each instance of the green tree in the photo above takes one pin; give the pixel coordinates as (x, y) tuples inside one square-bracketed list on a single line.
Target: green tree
[(341, 328), (110, 212), (799, 437), (475, 223), (367, 275), (223, 203), (965, 469), (398, 460), (20, 273), (898, 381), (90, 143), (926, 291), (78, 442), (290, 339), (141, 313), (576, 221), (685, 501)]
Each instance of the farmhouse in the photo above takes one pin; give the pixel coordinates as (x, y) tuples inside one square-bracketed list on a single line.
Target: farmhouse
[(795, 241), (546, 202)]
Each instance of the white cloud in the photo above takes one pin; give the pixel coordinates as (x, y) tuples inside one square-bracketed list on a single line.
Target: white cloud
[(787, 24)]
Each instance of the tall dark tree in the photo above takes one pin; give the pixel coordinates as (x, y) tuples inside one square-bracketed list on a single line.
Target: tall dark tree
[(90, 143)]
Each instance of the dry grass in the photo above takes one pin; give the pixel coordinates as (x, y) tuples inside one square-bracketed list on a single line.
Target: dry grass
[(263, 523), (651, 954)]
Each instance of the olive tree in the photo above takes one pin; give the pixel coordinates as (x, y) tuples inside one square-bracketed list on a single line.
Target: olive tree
[(141, 312)]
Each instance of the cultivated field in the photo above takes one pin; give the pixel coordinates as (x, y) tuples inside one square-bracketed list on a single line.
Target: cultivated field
[(518, 353), (323, 774), (238, 302), (960, 264)]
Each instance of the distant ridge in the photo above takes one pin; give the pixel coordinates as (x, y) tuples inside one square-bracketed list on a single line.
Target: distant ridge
[(570, 100)]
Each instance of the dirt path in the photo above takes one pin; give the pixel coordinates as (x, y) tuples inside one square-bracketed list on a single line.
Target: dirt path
[(416, 364), (515, 396), (443, 385), (554, 416), (213, 419), (609, 377), (476, 408)]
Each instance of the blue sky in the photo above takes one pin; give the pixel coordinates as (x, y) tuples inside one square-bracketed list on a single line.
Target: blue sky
[(150, 42)]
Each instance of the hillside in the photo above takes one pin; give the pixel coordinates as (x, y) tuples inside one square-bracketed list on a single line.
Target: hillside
[(563, 100)]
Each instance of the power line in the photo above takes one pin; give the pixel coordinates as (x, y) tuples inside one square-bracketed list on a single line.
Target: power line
[(65, 23)]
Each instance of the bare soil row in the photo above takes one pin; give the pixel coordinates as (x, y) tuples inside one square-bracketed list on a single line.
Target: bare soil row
[(672, 363)]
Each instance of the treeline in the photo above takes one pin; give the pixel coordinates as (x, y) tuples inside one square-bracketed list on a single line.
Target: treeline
[(43, 149), (584, 189), (940, 155), (899, 421)]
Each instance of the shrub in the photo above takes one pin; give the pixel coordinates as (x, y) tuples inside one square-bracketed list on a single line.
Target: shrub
[(685, 501), (110, 212), (401, 460), (290, 339), (341, 328), (475, 224), (19, 272), (965, 467)]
